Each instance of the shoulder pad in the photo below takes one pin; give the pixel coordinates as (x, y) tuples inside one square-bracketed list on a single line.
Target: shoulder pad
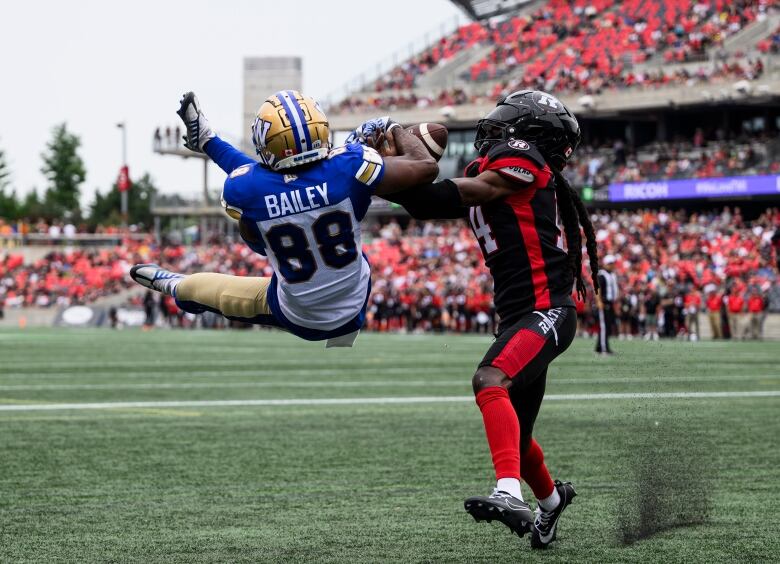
[(516, 148), (518, 161), (239, 187)]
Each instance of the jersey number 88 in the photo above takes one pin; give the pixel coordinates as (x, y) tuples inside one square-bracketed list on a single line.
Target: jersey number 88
[(335, 243)]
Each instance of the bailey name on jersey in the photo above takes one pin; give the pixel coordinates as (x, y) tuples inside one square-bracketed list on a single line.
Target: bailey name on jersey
[(297, 201)]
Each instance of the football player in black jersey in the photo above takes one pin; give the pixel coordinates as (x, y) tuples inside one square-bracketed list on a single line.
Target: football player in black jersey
[(514, 196)]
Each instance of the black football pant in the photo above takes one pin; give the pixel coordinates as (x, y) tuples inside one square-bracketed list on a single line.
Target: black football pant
[(606, 322), (523, 351)]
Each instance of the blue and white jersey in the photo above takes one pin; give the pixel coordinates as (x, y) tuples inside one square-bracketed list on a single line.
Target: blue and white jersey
[(309, 223)]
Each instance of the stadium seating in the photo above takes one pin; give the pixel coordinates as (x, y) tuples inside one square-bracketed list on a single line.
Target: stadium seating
[(404, 75), (582, 46), (611, 161)]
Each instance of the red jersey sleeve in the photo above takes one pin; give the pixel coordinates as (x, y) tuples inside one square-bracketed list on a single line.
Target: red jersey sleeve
[(518, 162)]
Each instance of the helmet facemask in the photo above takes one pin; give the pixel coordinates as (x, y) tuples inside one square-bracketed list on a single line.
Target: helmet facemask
[(489, 132)]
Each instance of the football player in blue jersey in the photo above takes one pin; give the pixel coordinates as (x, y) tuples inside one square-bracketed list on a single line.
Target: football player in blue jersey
[(300, 206)]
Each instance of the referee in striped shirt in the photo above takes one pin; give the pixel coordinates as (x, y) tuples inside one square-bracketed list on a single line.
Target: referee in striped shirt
[(605, 302)]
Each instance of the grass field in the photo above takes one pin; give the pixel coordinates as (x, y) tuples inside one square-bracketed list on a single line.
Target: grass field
[(152, 480)]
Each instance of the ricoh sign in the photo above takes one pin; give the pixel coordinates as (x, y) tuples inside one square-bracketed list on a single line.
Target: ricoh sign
[(695, 188)]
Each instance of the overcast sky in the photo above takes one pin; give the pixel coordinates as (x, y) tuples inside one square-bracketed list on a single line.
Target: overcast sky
[(95, 63)]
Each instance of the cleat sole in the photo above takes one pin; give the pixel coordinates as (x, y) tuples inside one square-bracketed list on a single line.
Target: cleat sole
[(488, 513)]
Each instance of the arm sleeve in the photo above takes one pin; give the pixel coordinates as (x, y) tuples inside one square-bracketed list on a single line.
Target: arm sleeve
[(227, 157), (440, 200)]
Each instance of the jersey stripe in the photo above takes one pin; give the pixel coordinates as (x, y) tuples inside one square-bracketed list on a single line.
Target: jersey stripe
[(377, 170), (527, 224), (518, 352), (366, 172), (295, 122)]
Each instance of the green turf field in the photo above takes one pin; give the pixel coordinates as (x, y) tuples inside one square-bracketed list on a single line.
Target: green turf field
[(346, 481)]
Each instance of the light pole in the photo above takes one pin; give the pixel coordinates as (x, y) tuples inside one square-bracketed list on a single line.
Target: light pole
[(123, 193)]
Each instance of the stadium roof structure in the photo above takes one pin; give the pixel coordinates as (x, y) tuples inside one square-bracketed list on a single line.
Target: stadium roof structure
[(486, 9)]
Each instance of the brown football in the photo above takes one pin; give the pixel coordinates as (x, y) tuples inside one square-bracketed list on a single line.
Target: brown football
[(433, 136)]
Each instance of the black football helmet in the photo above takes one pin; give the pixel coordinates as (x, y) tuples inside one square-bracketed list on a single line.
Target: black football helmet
[(533, 116)]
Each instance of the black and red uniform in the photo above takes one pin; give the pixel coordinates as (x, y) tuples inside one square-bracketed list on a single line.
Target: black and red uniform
[(519, 234), (523, 248)]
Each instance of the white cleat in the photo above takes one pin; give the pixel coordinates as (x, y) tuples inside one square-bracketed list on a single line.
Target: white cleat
[(156, 278)]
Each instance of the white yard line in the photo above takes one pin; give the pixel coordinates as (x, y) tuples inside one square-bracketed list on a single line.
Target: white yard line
[(374, 401), (304, 383)]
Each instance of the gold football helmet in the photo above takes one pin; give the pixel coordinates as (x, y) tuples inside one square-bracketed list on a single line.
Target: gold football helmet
[(290, 129)]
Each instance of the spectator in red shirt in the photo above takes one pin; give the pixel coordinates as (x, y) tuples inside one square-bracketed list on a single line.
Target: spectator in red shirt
[(735, 303), (692, 306), (714, 303), (755, 307)]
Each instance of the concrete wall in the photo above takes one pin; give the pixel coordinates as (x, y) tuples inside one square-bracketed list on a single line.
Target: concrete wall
[(38, 317)]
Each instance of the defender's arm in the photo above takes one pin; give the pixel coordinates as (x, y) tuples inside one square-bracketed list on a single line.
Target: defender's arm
[(450, 199), (486, 187)]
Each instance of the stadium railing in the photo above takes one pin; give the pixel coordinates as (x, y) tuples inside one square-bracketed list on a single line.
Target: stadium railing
[(80, 239)]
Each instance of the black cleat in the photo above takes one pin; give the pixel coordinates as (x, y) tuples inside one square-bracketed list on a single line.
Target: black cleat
[(501, 506), (545, 527)]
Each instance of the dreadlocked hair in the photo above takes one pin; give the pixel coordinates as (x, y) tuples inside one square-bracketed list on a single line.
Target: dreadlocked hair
[(574, 215)]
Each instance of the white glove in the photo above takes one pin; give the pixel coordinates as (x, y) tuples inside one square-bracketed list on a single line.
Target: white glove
[(197, 127), (371, 129)]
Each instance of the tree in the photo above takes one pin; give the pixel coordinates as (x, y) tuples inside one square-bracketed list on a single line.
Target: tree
[(8, 205), (31, 207), (65, 171), (105, 209), (4, 171)]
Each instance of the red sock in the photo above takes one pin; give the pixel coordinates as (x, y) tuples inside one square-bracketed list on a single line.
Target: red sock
[(535, 472), (502, 429)]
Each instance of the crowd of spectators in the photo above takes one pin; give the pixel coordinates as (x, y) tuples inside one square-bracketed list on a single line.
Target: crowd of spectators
[(52, 230), (671, 266), (405, 100), (601, 163), (561, 81), (586, 47), (431, 276), (62, 278), (609, 38)]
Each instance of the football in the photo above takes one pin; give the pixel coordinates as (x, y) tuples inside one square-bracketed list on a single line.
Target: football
[(433, 136)]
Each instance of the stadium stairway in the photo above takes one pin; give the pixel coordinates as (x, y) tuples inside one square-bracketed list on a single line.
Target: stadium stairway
[(746, 39), (447, 75)]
